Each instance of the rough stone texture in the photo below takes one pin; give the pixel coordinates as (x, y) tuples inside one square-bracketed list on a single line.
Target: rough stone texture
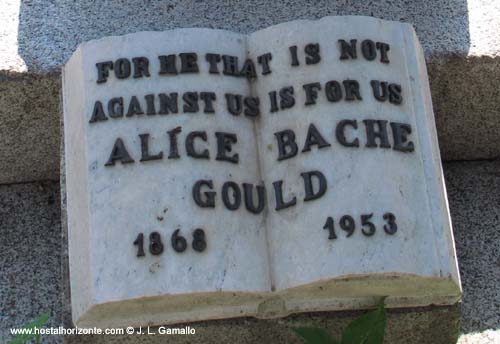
[(30, 259), (419, 326), (465, 96), (29, 127), (474, 197), (48, 32)]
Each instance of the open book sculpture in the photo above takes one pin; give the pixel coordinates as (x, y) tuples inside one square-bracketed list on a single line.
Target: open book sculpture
[(212, 174)]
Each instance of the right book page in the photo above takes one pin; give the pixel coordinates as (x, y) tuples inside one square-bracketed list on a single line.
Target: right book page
[(348, 149)]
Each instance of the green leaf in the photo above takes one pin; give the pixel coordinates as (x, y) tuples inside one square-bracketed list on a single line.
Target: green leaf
[(313, 335), (38, 322), (369, 328)]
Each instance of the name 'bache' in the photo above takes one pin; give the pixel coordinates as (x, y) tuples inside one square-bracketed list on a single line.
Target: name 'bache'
[(372, 133)]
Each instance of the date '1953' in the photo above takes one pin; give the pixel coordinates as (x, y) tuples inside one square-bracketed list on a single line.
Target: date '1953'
[(368, 228)]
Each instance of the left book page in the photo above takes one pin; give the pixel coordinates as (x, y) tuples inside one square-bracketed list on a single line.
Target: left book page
[(165, 210)]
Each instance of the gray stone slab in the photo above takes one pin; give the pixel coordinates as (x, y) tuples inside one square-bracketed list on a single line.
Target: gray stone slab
[(465, 97), (40, 35), (30, 255), (474, 198), (48, 32), (29, 127)]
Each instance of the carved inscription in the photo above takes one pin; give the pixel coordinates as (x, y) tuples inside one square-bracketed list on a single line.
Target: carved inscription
[(178, 243), (372, 133), (348, 224)]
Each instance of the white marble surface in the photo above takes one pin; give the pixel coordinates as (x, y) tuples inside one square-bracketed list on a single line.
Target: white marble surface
[(120, 201), (360, 180), (251, 254)]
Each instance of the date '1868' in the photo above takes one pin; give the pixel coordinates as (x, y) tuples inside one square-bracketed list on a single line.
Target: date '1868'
[(178, 242)]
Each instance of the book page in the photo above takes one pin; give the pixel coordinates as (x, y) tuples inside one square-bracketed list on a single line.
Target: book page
[(162, 178), (349, 153)]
